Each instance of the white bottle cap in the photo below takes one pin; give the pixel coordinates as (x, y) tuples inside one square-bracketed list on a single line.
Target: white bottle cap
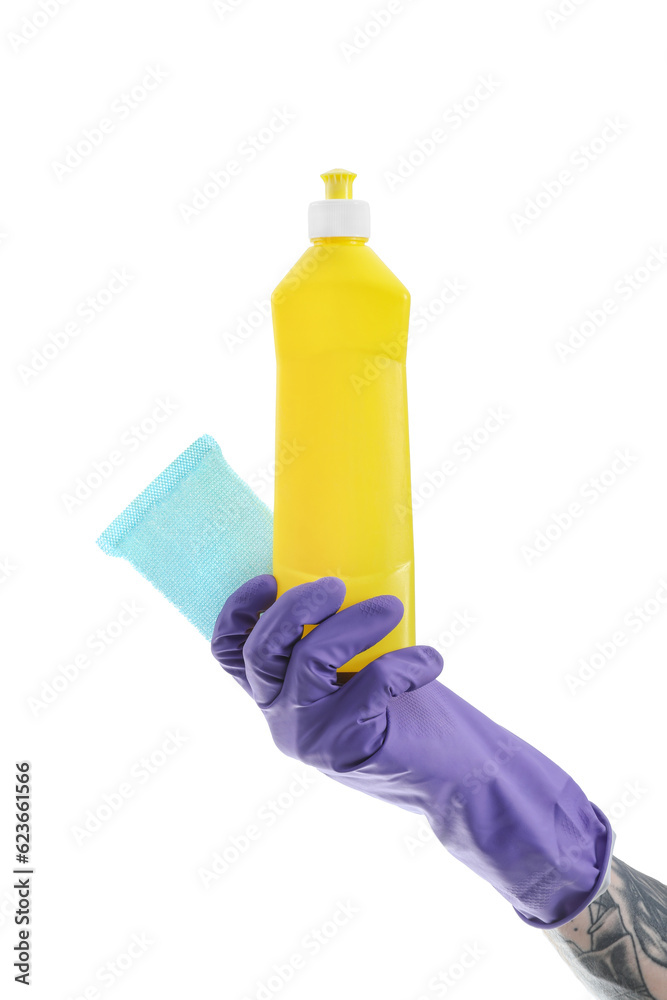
[(340, 214)]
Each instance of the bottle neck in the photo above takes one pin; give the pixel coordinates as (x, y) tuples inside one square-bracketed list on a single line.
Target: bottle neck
[(347, 241)]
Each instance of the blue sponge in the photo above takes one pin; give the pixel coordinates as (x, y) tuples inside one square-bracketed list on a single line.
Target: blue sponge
[(197, 533)]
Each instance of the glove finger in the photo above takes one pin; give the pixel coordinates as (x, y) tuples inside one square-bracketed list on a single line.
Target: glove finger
[(312, 671), (236, 620), (270, 645), (370, 691)]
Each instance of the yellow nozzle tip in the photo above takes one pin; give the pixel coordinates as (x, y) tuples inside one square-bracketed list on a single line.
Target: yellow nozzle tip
[(338, 183)]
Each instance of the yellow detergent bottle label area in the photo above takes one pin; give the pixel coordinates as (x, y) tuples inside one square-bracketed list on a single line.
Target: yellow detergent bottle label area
[(343, 502)]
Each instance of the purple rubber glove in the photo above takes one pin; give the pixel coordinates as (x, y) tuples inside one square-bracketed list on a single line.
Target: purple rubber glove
[(497, 804)]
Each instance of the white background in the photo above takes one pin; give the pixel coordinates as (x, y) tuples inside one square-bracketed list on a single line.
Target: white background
[(167, 335)]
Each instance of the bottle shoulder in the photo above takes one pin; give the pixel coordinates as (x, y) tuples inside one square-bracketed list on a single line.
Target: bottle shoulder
[(353, 266)]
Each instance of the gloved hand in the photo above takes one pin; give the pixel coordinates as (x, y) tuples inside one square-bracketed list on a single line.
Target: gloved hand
[(393, 731)]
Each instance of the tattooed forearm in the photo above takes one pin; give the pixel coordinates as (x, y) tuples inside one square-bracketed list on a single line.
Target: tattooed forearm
[(618, 945)]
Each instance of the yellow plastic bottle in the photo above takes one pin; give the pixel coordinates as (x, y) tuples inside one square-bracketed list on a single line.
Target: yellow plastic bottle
[(342, 485)]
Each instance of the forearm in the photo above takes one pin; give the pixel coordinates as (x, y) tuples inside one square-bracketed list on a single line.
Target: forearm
[(618, 945)]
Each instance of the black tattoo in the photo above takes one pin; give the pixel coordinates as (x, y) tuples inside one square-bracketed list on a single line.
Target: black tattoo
[(647, 899), (620, 941)]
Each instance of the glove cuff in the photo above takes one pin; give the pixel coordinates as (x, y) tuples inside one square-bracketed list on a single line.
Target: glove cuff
[(603, 865)]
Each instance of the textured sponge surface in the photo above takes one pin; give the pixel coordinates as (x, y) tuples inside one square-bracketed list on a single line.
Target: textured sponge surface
[(197, 532)]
